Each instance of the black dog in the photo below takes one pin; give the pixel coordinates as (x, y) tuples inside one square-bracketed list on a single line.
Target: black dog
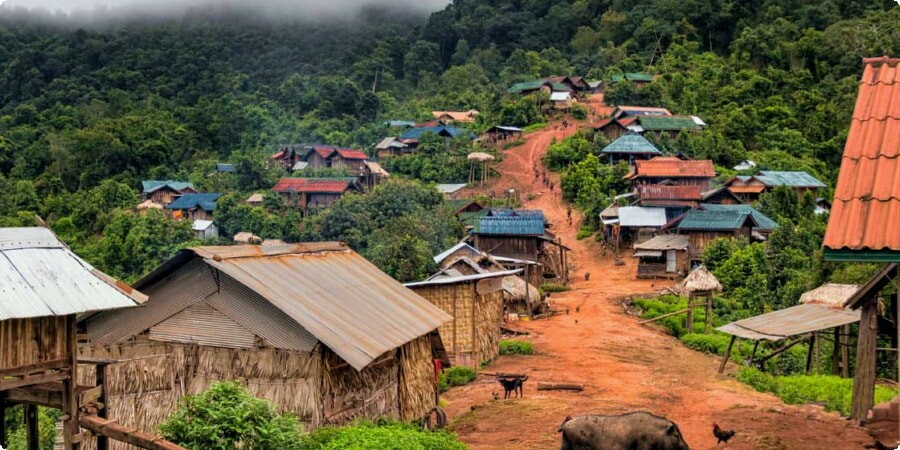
[(514, 385)]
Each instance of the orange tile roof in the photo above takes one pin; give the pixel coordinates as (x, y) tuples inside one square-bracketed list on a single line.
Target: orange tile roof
[(670, 166), (668, 192), (866, 208)]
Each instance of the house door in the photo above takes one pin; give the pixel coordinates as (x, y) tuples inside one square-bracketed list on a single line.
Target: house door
[(670, 261)]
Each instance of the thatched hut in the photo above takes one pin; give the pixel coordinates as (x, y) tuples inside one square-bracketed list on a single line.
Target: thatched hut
[(700, 284), (313, 328), (475, 303)]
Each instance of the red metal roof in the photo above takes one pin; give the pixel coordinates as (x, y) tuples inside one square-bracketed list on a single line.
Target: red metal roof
[(668, 192), (277, 155), (312, 185), (866, 208), (670, 166), (348, 153)]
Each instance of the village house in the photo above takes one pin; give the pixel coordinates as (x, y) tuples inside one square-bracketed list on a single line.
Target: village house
[(669, 126), (45, 286), (475, 302), (313, 328), (562, 100), (623, 111), (614, 128), (391, 146), (863, 227), (750, 187), (764, 224), (500, 135), (637, 223), (307, 193), (675, 199), (194, 206), (256, 199), (640, 79), (575, 84), (205, 229), (673, 169), (447, 132), (467, 260), (163, 192), (720, 196), (450, 117), (522, 234), (663, 256), (531, 87), (703, 226), (629, 148)]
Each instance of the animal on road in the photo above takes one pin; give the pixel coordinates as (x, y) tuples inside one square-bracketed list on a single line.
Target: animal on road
[(632, 431), (514, 385), (722, 435)]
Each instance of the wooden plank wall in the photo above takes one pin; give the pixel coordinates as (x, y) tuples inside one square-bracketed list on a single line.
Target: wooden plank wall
[(30, 341)]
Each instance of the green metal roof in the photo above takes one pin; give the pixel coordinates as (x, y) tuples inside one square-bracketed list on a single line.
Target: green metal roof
[(763, 222), (511, 225), (667, 123), (631, 142), (153, 185), (871, 256), (472, 218), (634, 76), (698, 219), (792, 179), (534, 85)]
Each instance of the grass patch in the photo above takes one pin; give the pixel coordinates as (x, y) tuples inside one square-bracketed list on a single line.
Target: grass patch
[(553, 287), (510, 347), (455, 376), (513, 144), (534, 127), (835, 392), (584, 232), (381, 435)]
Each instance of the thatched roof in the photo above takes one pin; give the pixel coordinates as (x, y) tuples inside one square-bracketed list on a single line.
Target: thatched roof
[(830, 294), (481, 157), (514, 290), (700, 280)]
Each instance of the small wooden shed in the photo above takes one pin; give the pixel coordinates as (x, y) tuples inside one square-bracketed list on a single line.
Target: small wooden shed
[(700, 284), (475, 302), (663, 256), (314, 328)]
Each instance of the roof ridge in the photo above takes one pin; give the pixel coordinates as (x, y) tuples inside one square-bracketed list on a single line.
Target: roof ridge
[(893, 197), (880, 156)]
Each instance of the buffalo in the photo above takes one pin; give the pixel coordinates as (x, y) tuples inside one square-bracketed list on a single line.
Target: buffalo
[(632, 431)]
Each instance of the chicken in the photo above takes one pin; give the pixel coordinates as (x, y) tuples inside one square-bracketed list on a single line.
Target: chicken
[(722, 435)]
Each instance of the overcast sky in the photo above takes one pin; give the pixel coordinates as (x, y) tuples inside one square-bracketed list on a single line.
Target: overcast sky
[(276, 8)]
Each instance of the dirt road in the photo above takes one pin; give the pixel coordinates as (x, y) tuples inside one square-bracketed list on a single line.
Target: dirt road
[(624, 366)]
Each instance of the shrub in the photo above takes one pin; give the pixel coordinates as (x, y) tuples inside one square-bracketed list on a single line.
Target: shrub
[(516, 348), (834, 391), (579, 112), (384, 435), (456, 376), (227, 417), (553, 287), (584, 232)]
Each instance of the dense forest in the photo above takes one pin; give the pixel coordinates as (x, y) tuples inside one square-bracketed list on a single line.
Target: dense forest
[(87, 112)]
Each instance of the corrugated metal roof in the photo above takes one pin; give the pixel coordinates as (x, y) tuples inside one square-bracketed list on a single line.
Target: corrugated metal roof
[(154, 185), (722, 220), (866, 207), (200, 225), (223, 167), (793, 321), (40, 276), (631, 142), (641, 216), (634, 76), (763, 222), (788, 178), (670, 166), (440, 130), (351, 306), (314, 185), (641, 111), (450, 188), (511, 225), (206, 201), (459, 246), (667, 123), (559, 96), (463, 279), (665, 242), (668, 192)]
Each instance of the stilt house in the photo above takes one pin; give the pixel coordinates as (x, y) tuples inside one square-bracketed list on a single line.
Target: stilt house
[(314, 328)]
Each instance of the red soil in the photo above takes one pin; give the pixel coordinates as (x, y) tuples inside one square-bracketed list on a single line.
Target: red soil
[(623, 365)]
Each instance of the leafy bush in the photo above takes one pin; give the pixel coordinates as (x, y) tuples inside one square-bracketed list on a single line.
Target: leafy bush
[(455, 376), (380, 436), (579, 112), (511, 347), (834, 391), (227, 417), (584, 232), (17, 432), (553, 287)]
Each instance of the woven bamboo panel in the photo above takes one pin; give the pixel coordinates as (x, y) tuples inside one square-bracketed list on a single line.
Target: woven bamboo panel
[(417, 383), (489, 312), (370, 393)]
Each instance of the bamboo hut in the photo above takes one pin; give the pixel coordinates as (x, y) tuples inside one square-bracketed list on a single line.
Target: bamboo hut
[(519, 297), (475, 303), (44, 287), (700, 284), (314, 328)]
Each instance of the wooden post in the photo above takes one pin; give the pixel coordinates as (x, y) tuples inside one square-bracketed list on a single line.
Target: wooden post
[(709, 314), (836, 352), (103, 413), (845, 352), (809, 353), (817, 366), (3, 424), (864, 380), (727, 354), (69, 396), (689, 320), (753, 354), (33, 438)]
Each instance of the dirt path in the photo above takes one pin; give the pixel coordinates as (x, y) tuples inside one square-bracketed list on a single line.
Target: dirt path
[(624, 366)]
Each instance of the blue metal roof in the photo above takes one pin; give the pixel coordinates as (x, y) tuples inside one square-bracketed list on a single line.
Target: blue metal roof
[(763, 221), (205, 201), (153, 185), (631, 142), (792, 179), (722, 220), (441, 130), (222, 167), (511, 225)]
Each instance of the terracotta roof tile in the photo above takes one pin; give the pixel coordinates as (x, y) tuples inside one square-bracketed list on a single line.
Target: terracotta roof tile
[(866, 209), (674, 167)]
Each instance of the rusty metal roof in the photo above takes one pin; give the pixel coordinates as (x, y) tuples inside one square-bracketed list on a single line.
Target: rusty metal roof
[(673, 167), (793, 321), (40, 276), (347, 303), (668, 192), (463, 278), (867, 195)]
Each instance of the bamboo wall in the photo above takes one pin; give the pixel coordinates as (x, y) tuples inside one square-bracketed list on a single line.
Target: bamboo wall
[(417, 382), (372, 392), (30, 341), (489, 311)]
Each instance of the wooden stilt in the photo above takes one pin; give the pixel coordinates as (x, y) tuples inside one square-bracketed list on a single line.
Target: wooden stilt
[(836, 353), (103, 413), (3, 441), (864, 380), (780, 350), (753, 354), (70, 397), (33, 438), (809, 353), (689, 320), (817, 365), (727, 354), (845, 352), (709, 316)]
